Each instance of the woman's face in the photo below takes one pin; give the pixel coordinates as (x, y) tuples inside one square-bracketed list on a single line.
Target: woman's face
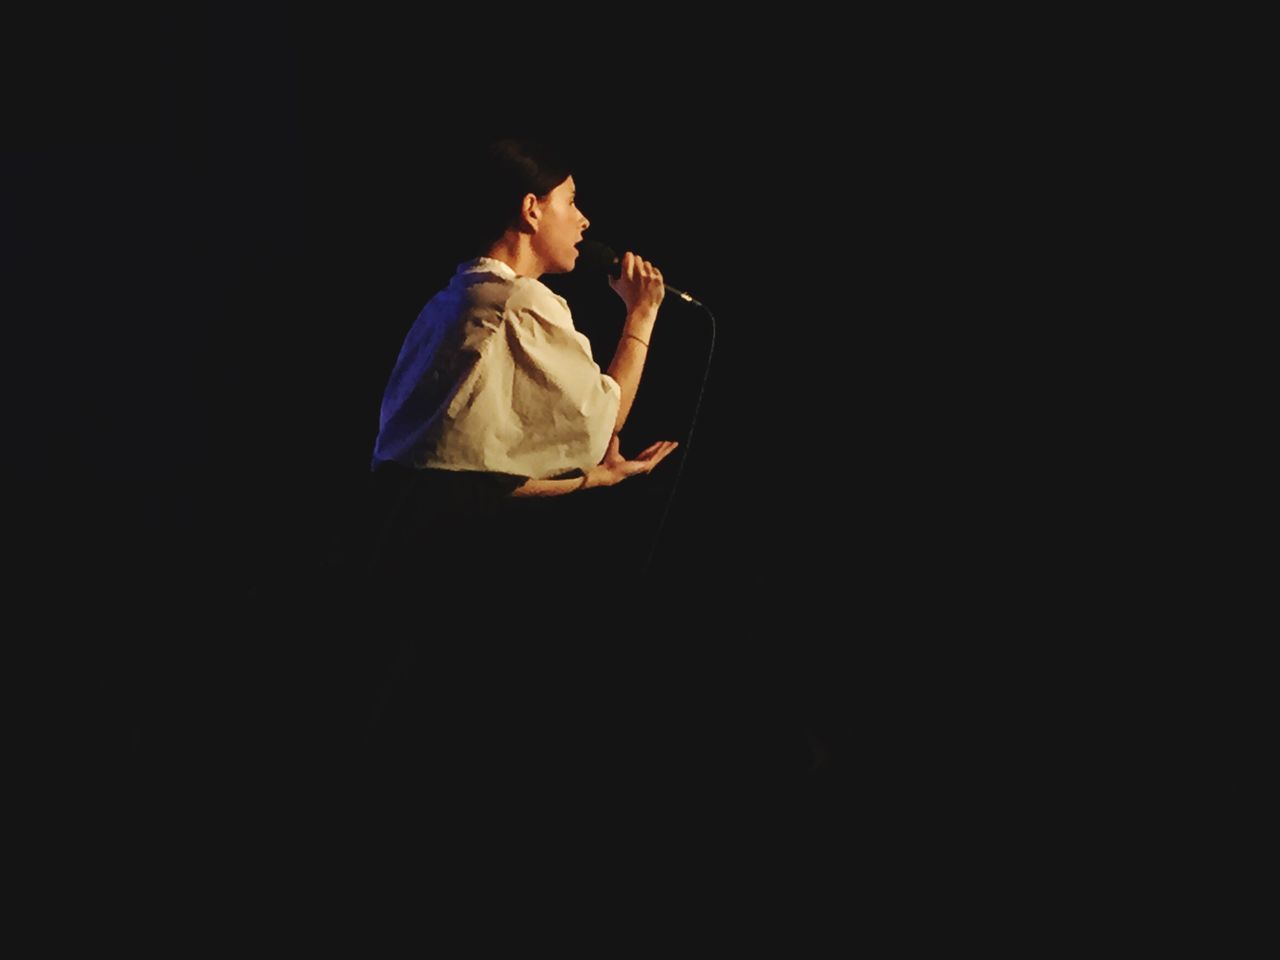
[(560, 225)]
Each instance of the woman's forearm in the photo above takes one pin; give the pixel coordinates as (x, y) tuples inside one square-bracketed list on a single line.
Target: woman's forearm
[(551, 488), (628, 359)]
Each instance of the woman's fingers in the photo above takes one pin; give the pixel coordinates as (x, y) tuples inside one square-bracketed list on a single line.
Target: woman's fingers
[(662, 454), (659, 450), (646, 459), (634, 265), (664, 449)]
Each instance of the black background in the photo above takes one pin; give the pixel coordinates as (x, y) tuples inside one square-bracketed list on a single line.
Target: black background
[(219, 241)]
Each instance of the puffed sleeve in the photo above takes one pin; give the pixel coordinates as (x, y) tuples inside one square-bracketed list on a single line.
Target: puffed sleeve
[(565, 405)]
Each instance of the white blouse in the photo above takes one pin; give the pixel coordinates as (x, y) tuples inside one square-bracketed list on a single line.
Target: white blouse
[(494, 377)]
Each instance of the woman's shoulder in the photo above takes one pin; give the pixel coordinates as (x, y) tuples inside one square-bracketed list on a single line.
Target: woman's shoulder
[(529, 295), (479, 287), (490, 285)]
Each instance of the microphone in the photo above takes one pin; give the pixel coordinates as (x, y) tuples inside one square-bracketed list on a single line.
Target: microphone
[(598, 256)]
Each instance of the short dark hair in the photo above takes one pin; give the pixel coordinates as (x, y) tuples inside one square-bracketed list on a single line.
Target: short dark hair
[(503, 175)]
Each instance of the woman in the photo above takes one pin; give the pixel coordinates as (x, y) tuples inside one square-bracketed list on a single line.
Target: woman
[(494, 378), (495, 400), (495, 394)]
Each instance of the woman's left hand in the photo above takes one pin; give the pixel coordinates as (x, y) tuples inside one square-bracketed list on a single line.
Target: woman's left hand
[(615, 468)]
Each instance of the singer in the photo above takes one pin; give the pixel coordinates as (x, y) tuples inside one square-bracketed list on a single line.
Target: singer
[(495, 395), (494, 411), (512, 603)]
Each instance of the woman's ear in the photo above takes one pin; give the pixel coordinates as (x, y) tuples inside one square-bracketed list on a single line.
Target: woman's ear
[(531, 212)]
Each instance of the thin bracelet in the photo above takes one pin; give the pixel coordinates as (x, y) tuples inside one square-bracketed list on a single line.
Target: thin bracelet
[(635, 338)]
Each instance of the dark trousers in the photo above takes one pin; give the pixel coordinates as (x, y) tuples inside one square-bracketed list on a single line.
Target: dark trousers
[(509, 642)]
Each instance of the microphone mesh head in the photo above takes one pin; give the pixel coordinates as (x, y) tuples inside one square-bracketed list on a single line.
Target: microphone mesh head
[(593, 255)]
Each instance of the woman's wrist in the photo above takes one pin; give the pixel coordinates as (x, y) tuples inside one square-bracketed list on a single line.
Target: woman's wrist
[(597, 476), (641, 321)]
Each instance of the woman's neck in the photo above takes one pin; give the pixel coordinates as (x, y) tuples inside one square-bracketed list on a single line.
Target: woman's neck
[(517, 253)]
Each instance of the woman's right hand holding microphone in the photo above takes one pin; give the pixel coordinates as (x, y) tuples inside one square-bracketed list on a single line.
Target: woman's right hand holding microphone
[(639, 284)]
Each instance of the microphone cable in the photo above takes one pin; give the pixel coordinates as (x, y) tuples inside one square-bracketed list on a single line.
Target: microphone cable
[(688, 443)]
